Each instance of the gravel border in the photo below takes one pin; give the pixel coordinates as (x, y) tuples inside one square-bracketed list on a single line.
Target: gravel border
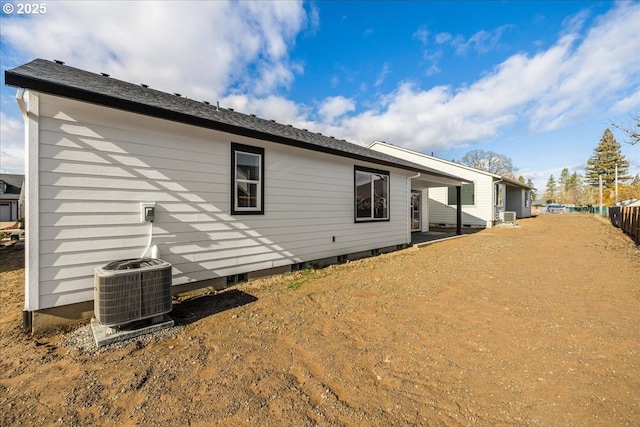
[(82, 339)]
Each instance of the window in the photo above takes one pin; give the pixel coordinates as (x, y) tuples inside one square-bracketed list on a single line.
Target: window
[(247, 180), (527, 198), (371, 195), (499, 195), (467, 195)]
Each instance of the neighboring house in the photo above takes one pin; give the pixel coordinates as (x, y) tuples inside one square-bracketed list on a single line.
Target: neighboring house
[(484, 197), (11, 197), (235, 196)]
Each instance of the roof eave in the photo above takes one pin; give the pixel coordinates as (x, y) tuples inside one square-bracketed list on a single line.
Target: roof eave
[(46, 86)]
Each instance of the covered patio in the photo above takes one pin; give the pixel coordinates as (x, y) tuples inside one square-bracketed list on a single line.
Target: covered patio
[(418, 206)]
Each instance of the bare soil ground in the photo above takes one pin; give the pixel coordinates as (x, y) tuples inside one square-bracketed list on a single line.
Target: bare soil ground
[(531, 326)]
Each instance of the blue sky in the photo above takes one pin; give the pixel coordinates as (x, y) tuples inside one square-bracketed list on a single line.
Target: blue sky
[(538, 81)]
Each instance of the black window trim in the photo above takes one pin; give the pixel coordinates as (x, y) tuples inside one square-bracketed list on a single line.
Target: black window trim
[(357, 169), (235, 147)]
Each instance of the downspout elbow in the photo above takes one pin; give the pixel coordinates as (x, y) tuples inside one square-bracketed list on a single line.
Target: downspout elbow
[(27, 321), (21, 104)]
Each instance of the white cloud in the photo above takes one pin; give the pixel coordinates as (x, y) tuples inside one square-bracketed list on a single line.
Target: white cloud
[(386, 69), (629, 104), (11, 144), (314, 18), (481, 42), (421, 34), (581, 75), (443, 38), (271, 107), (238, 53), (334, 107), (199, 49), (592, 76), (433, 69), (575, 23)]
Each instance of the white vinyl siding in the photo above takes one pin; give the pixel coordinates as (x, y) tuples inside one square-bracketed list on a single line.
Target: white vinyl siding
[(97, 164), (439, 210), (480, 214)]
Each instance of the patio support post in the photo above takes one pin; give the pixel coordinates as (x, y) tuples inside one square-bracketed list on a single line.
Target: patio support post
[(458, 210)]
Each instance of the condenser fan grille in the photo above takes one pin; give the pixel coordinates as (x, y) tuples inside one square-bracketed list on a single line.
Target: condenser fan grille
[(126, 295)]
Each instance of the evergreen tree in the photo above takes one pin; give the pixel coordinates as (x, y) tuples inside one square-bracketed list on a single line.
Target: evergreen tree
[(550, 194), (574, 189), (534, 195), (563, 185), (603, 162)]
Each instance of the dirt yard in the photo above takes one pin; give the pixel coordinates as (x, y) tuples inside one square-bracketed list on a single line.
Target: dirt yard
[(531, 326)]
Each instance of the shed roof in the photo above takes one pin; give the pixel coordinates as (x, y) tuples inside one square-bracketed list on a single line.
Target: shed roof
[(55, 78), (13, 180), (14, 184)]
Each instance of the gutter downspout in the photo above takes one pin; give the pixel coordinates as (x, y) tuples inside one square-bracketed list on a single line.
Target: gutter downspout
[(459, 210), (409, 208), (27, 316)]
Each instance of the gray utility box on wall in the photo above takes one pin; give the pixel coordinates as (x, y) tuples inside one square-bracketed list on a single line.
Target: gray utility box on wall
[(132, 289)]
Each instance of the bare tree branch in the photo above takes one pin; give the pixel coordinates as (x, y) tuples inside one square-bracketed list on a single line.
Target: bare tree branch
[(489, 161), (632, 134)]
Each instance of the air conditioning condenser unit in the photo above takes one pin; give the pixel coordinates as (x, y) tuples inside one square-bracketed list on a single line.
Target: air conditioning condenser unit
[(508, 217), (132, 289)]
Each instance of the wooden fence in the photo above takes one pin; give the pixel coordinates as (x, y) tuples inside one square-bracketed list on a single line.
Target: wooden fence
[(628, 219)]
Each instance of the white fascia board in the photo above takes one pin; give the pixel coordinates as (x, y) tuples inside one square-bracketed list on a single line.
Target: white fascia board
[(436, 159)]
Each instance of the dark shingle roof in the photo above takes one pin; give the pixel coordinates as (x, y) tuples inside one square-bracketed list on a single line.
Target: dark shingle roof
[(58, 79)]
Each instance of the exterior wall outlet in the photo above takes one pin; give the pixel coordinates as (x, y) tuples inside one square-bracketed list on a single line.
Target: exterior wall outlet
[(148, 211)]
